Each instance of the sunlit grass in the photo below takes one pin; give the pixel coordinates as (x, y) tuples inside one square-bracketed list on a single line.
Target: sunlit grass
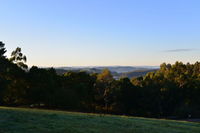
[(20, 120)]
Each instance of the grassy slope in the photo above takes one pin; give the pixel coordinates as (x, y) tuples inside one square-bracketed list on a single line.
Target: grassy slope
[(16, 120)]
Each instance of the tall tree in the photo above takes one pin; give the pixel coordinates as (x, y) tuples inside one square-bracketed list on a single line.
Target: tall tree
[(2, 49), (18, 58), (103, 87)]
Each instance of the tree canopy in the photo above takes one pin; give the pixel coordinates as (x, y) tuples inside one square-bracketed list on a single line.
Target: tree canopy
[(173, 90)]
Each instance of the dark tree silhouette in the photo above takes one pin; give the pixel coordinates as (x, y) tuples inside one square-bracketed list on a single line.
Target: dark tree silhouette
[(18, 58), (173, 90), (2, 49)]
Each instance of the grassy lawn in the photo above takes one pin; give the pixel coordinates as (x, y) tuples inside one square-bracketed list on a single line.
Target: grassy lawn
[(19, 120)]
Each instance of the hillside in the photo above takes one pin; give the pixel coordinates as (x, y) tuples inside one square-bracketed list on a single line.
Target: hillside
[(117, 71), (18, 120), (137, 73)]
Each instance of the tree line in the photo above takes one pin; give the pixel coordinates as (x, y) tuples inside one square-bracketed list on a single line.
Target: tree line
[(172, 91)]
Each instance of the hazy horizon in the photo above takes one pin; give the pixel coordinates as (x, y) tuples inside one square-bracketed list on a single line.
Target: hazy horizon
[(100, 66), (102, 33)]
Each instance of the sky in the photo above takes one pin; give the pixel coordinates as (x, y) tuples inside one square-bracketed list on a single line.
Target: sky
[(102, 32)]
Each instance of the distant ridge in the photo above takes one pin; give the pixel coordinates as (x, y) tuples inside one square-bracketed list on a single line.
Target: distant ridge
[(117, 71)]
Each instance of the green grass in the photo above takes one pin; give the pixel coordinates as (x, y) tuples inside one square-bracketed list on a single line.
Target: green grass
[(19, 120)]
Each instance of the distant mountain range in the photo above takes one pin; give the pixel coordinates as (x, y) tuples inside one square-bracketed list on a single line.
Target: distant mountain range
[(117, 71)]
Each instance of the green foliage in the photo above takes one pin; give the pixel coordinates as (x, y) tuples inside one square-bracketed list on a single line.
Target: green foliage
[(171, 91)]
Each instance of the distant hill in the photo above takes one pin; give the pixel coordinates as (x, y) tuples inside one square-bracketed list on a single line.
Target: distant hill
[(137, 73), (117, 71)]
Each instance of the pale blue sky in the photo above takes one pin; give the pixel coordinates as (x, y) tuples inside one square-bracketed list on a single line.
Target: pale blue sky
[(102, 32)]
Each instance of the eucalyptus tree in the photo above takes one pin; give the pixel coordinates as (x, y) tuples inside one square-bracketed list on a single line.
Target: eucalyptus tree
[(19, 58)]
